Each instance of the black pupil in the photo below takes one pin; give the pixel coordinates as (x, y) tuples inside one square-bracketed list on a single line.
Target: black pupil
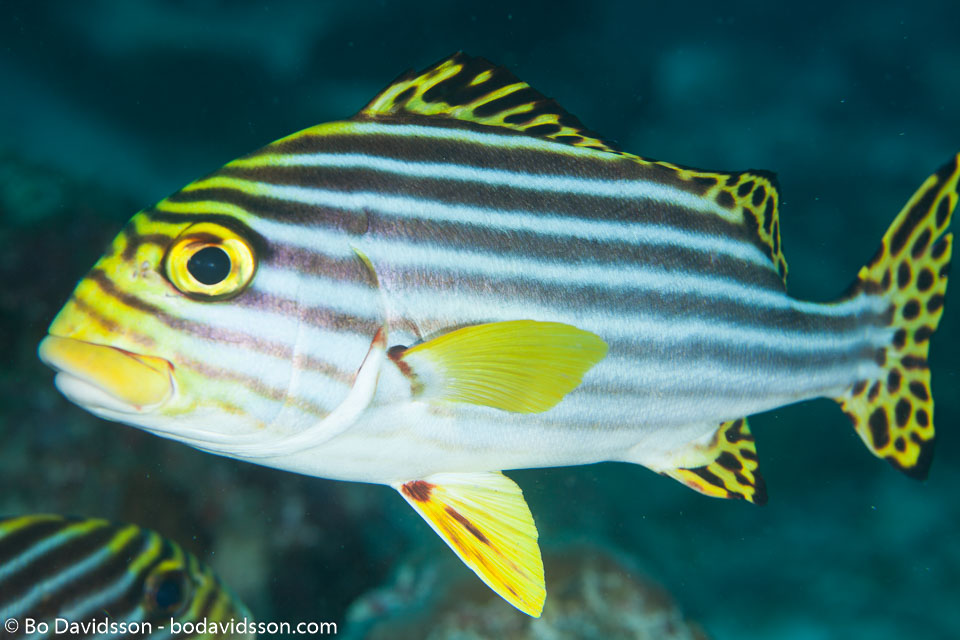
[(210, 265), (169, 593)]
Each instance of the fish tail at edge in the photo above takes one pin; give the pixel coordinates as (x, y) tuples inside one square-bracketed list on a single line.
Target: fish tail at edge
[(893, 413)]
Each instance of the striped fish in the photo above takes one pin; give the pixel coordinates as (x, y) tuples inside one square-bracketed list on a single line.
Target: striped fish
[(462, 279), (86, 578)]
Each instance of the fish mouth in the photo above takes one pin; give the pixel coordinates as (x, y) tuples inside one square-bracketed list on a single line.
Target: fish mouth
[(97, 376)]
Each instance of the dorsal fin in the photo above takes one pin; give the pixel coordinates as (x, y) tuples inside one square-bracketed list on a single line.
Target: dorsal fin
[(475, 90), (746, 197)]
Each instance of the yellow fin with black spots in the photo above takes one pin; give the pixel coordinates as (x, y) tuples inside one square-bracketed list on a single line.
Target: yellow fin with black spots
[(893, 412), (470, 89), (485, 520), (723, 467), (522, 366), (747, 198), (753, 200)]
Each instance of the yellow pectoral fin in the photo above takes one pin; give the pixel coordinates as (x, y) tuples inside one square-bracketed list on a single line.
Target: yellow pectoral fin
[(524, 366), (486, 521)]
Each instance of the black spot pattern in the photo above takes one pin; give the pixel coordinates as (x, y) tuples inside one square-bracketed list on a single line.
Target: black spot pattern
[(900, 338), (902, 412), (729, 461), (919, 390), (914, 362), (943, 211), (939, 248), (911, 310), (915, 216), (920, 244), (903, 275), (879, 428), (893, 380), (768, 215), (934, 303)]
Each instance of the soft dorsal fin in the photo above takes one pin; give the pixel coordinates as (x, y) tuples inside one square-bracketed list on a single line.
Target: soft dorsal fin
[(475, 90), (745, 197)]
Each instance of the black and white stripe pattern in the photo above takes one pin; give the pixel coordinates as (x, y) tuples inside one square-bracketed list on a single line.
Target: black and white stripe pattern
[(82, 570), (466, 224)]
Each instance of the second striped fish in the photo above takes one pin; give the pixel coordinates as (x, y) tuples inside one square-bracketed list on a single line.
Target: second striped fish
[(88, 578)]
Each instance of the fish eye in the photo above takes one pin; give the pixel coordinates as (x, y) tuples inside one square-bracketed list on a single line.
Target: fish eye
[(209, 265), (208, 261), (167, 592)]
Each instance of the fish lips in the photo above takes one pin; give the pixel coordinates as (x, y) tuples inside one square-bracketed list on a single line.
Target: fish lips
[(100, 377)]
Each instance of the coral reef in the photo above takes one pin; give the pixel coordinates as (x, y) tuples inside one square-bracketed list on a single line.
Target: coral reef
[(592, 594)]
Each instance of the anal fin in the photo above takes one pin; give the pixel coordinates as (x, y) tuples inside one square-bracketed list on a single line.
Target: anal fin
[(723, 467), (485, 520)]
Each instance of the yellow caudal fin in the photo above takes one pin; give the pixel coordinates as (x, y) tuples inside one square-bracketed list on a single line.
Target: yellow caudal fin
[(523, 366), (723, 467), (486, 521), (893, 412)]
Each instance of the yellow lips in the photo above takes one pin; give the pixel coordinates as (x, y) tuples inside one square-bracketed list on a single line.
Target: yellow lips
[(91, 370)]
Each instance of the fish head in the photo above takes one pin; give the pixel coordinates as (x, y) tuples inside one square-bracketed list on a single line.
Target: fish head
[(182, 589), (200, 326)]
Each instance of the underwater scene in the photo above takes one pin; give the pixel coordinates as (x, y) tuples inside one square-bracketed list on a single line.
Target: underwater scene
[(287, 286)]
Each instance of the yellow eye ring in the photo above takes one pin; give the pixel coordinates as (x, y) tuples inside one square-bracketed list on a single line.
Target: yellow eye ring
[(167, 590), (210, 261)]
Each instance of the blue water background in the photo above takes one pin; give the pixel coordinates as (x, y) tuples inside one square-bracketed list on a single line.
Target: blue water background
[(107, 107)]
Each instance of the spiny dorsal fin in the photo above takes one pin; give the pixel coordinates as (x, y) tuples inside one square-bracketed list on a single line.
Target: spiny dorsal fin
[(485, 520), (475, 90), (725, 467)]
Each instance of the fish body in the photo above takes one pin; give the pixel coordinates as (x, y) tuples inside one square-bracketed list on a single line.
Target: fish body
[(102, 579), (462, 279), (691, 309)]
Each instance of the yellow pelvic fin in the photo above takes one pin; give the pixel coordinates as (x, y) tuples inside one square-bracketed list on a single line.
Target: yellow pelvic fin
[(523, 366), (470, 89), (893, 413), (485, 520), (725, 467)]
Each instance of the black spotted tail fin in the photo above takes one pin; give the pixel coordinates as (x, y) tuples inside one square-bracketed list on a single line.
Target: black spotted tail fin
[(894, 413)]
